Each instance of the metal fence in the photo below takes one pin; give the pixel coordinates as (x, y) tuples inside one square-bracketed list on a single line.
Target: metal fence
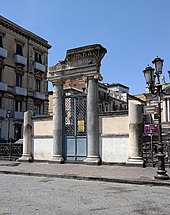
[(150, 151), (11, 151)]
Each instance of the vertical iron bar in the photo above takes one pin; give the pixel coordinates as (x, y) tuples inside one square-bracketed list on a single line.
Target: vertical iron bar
[(75, 125), (159, 117), (152, 150)]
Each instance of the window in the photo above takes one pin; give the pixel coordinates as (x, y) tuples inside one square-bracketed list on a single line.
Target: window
[(18, 106), (0, 129), (38, 85), (100, 108), (19, 49), (38, 109), (113, 106), (106, 107), (17, 132), (1, 44), (0, 102), (38, 57), (18, 80), (0, 74)]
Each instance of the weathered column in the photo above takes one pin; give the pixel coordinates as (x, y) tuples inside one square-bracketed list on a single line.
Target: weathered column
[(57, 122), (27, 137), (168, 109), (164, 111), (92, 122), (135, 133)]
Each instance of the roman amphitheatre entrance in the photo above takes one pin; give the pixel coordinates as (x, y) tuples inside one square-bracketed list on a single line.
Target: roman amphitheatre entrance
[(69, 135)]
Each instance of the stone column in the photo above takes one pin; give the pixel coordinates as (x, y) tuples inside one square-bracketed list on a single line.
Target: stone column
[(57, 122), (135, 133), (27, 137), (168, 110), (92, 122), (164, 111)]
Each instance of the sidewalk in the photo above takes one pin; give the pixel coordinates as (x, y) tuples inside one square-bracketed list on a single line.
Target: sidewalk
[(118, 174)]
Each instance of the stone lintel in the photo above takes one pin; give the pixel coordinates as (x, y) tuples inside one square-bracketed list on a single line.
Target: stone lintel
[(72, 73), (82, 61), (94, 51)]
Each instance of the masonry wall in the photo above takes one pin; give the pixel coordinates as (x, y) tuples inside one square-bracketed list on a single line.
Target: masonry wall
[(113, 131), (114, 135), (42, 138)]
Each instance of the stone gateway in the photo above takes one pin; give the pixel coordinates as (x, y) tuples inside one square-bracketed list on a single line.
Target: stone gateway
[(83, 62)]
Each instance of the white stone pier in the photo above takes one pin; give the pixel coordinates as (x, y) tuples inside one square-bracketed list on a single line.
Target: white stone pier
[(93, 122), (57, 122), (135, 133), (27, 137)]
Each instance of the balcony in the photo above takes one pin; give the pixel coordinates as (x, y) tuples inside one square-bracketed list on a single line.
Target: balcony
[(18, 115), (21, 91), (3, 86), (3, 52), (2, 113), (39, 95), (39, 66), (20, 59)]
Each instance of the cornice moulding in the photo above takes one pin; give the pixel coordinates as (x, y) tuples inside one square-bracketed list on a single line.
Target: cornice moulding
[(19, 30)]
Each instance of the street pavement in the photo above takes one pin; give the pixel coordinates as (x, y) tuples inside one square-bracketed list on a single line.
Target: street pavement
[(108, 173), (24, 195)]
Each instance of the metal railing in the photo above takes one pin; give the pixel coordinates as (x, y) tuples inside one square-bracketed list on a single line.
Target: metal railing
[(150, 152), (11, 151)]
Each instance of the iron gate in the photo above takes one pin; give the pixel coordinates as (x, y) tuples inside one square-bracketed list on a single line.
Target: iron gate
[(75, 141)]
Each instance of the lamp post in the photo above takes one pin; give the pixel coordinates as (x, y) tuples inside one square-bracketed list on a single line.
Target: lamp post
[(152, 77), (10, 146), (8, 116)]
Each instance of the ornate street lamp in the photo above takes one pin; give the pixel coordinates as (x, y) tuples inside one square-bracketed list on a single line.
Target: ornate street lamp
[(8, 115), (152, 77)]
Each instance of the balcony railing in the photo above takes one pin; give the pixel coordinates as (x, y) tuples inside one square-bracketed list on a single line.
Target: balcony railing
[(21, 91), (3, 86), (3, 52), (39, 95), (20, 59), (39, 66)]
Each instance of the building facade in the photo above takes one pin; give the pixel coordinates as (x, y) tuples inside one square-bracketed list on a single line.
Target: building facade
[(152, 104), (23, 77), (112, 97)]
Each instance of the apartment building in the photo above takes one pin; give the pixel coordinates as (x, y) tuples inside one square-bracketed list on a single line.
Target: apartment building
[(23, 77), (112, 97)]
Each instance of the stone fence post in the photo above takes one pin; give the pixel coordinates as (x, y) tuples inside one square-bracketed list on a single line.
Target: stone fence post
[(27, 137), (135, 133)]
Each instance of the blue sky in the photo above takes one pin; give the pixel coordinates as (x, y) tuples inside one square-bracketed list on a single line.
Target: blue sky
[(132, 31)]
